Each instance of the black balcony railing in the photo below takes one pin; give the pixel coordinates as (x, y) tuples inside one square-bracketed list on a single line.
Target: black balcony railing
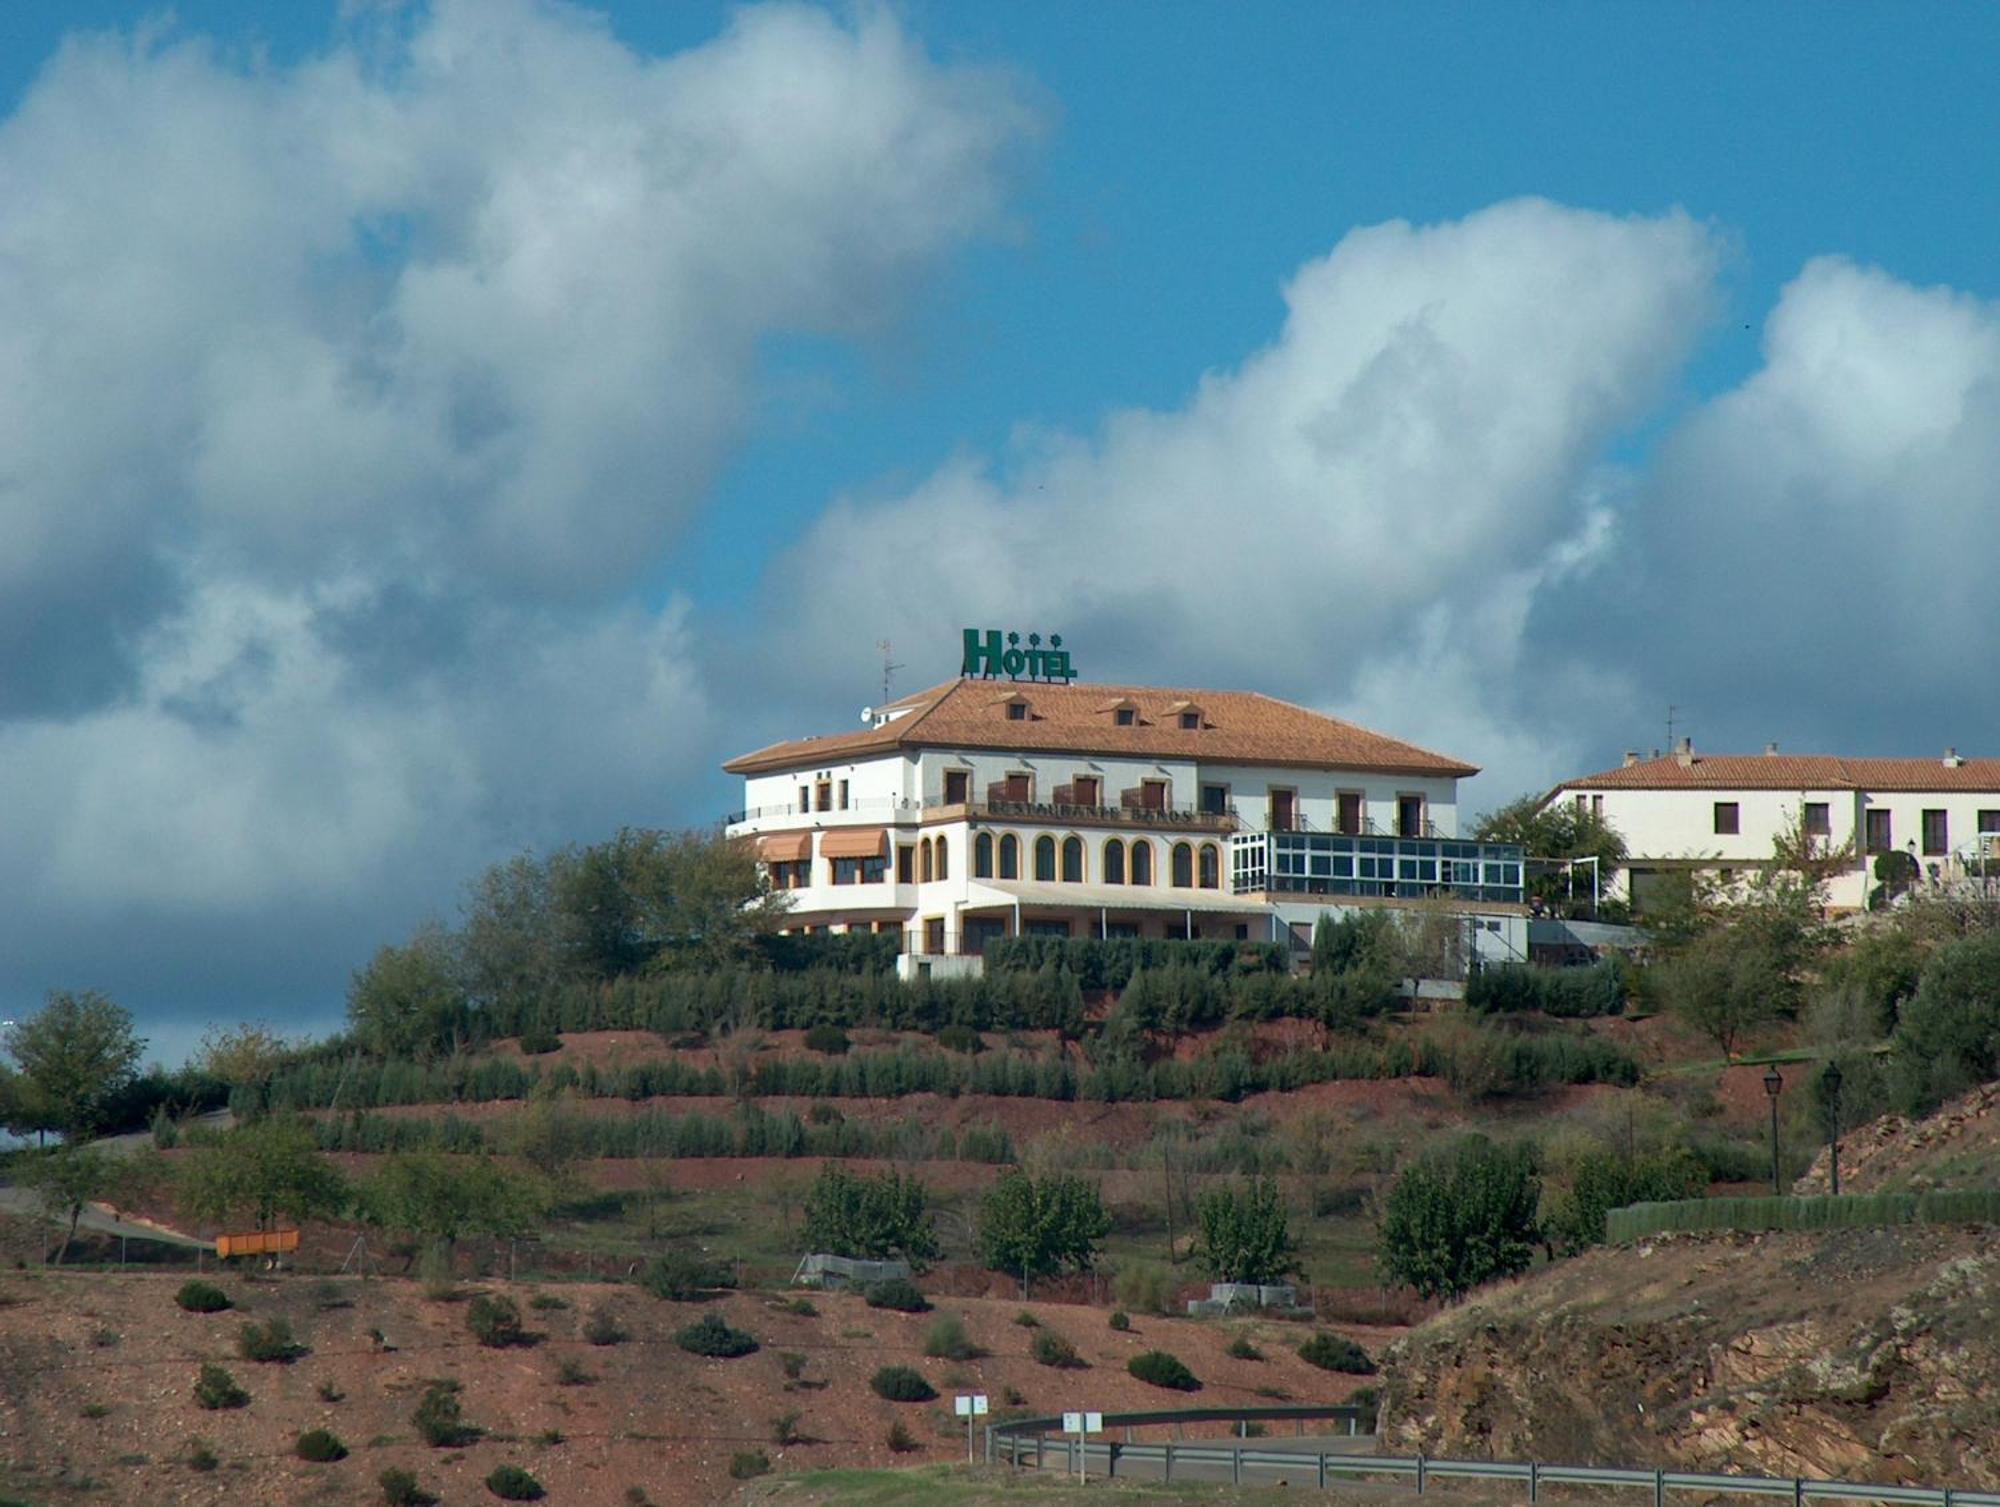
[(1185, 818)]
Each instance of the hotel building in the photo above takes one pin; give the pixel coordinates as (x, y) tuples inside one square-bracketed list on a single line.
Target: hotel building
[(1720, 814), (986, 808)]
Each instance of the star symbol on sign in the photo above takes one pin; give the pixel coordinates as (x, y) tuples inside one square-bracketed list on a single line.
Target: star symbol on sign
[(1034, 640), (1055, 640), (1013, 639)]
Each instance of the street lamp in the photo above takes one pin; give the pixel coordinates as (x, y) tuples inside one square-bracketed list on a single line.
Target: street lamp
[(1773, 1085), (1831, 1078)]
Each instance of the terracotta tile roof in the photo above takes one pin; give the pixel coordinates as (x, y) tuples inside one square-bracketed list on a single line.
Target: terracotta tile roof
[(1794, 772), (1238, 727)]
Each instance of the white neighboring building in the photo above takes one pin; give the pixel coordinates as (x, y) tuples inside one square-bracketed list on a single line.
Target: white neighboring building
[(986, 808), (1721, 813)]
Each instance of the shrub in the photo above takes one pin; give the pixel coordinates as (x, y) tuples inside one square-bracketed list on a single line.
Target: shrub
[(539, 1041), (495, 1322), (572, 1373), (1144, 1285), (546, 1302), (439, 1418), (321, 1446), (794, 1364), (683, 1277), (1051, 1349), (1336, 1352), (1160, 1369), (270, 1341), (330, 1392), (202, 1456), (1369, 1400), (711, 1336), (197, 1296), (1240, 1348), (603, 1328), (947, 1340), (785, 1427), (1459, 1216), (901, 1384), (1121, 1320), (748, 1463), (899, 1293), (828, 1040), (900, 1440), (95, 1410), (958, 1038), (216, 1390), (400, 1489), (510, 1483), (1027, 1320)]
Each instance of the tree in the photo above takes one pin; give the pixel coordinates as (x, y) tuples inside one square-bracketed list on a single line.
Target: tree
[(649, 900), (1245, 1234), (1461, 1216), (1602, 1180), (428, 1195), (1949, 1036), (66, 1181), (869, 1218), (258, 1172), (78, 1054), (1037, 1226), (23, 1109), (550, 1136), (408, 1002), (1555, 831), (1724, 983), (244, 1057)]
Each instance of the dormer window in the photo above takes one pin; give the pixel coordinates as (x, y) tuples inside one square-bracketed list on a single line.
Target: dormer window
[(1124, 716), (1187, 715), (1017, 711), (1190, 721)]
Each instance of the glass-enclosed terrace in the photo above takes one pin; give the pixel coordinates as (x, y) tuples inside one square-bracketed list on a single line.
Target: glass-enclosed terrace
[(1402, 868)]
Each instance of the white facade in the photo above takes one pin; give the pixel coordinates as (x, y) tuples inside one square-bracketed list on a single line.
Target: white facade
[(1723, 815)]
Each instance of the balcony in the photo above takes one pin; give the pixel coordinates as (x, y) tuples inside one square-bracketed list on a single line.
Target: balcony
[(1397, 868), (1166, 818), (869, 807)]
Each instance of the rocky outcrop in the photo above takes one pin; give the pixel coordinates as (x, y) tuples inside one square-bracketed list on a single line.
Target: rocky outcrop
[(1868, 1355)]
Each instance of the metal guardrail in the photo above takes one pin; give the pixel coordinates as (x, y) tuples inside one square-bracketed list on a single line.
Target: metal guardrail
[(1028, 1441)]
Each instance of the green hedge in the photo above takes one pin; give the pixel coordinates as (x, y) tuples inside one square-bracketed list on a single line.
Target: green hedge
[(1848, 1212), (1573, 993), (1110, 963)]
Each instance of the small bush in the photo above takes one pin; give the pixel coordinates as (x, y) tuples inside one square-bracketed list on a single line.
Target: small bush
[(1013, 1397), (1240, 1348), (900, 1440), (794, 1364), (1027, 1320), (603, 1328), (202, 1297), (328, 1392), (321, 1446), (539, 1041), (95, 1410), (830, 1041), (1121, 1320), (1336, 1352), (495, 1322), (549, 1438), (440, 1419), (899, 1293), (1051, 1349), (958, 1038), (400, 1489), (748, 1463), (547, 1302), (1160, 1369), (947, 1340), (510, 1483), (216, 1390), (202, 1456), (268, 1342), (1369, 1400), (572, 1373), (901, 1384), (785, 1428), (682, 1277), (803, 1307), (711, 1336)]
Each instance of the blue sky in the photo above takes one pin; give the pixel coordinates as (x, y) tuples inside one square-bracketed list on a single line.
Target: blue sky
[(352, 564)]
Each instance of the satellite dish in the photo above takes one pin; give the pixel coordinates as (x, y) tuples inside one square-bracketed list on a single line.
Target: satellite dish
[(868, 714)]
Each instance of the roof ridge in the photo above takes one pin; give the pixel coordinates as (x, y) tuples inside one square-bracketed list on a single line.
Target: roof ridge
[(1357, 726)]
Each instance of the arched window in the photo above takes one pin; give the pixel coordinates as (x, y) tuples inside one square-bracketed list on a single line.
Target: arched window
[(1045, 858), (1072, 860), (1183, 866), (924, 861), (1010, 857), (982, 856), (1211, 866), (944, 859), (1142, 861), (1114, 862)]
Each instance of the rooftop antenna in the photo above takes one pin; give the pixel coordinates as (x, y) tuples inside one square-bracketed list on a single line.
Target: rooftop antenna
[(1671, 709), (889, 667)]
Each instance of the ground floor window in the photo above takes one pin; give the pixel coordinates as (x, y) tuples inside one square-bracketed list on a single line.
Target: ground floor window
[(1045, 928)]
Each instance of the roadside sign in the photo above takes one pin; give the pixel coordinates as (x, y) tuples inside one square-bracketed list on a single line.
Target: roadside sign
[(970, 1406), (1072, 1423), (1093, 1423)]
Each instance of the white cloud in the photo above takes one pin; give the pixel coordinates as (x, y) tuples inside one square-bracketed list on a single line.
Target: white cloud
[(1359, 515), (344, 407)]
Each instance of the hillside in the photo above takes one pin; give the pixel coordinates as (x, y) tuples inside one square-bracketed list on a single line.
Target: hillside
[(96, 1377)]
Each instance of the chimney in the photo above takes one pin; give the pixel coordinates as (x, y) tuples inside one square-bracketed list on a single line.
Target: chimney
[(1951, 758), (1770, 750), (1656, 756), (1631, 757), (1684, 753)]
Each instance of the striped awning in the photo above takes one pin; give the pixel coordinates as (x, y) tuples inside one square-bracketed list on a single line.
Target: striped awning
[(854, 842), (785, 847)]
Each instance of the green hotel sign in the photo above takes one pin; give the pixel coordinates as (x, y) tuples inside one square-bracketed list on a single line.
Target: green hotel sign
[(991, 654)]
